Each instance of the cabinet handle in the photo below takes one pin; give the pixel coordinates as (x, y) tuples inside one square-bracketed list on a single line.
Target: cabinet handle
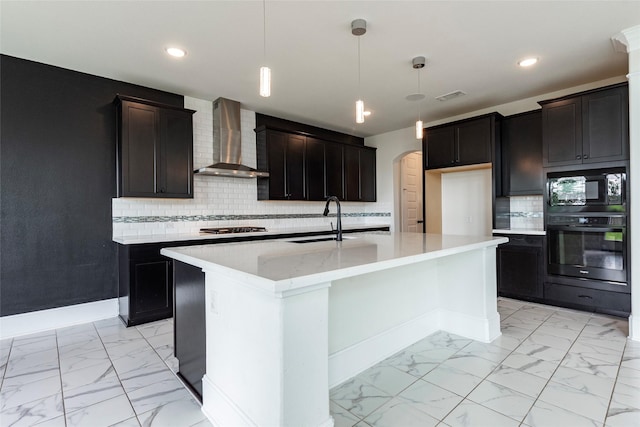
[(585, 157), (585, 296), (578, 157)]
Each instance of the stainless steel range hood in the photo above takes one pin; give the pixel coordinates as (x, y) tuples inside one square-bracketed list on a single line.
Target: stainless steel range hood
[(227, 153)]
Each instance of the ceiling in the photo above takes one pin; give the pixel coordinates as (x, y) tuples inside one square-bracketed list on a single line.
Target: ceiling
[(471, 46)]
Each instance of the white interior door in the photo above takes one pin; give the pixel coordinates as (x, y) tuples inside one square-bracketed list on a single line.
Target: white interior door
[(411, 192)]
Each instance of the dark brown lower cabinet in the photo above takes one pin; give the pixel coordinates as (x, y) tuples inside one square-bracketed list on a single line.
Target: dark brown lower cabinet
[(145, 285), (588, 299), (189, 324), (520, 267)]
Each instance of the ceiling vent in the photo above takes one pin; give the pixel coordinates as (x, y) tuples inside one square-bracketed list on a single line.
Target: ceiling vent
[(451, 95)]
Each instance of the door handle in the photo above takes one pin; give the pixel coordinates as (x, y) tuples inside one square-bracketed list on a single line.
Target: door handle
[(420, 221)]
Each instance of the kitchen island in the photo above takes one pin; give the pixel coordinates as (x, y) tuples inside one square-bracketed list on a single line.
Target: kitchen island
[(287, 320)]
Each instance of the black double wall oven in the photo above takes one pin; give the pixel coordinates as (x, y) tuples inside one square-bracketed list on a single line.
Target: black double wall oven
[(587, 239)]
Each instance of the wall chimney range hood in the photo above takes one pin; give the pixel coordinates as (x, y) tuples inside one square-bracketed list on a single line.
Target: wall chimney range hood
[(227, 143)]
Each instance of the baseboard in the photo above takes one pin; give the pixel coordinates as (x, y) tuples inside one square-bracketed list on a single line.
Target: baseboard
[(61, 317), (475, 328), (634, 327), (220, 409), (349, 362)]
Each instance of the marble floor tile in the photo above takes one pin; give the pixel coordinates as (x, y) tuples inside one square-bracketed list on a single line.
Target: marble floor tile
[(92, 393), (511, 303), (631, 361), (105, 413), (486, 351), (183, 412), (118, 336), (470, 414), (12, 395), (627, 396), (557, 331), (505, 312), (538, 351), (143, 377), (596, 352), (574, 400), (575, 315), (131, 422), (81, 347), (452, 379), (610, 322), (127, 348), (609, 337), (412, 363), (387, 378), (554, 341), (342, 417), (622, 417), (81, 361), (583, 381), (88, 375), (629, 376), (32, 413), (443, 339), (33, 366), (531, 365), (151, 397), (519, 322), (502, 399), (546, 415), (584, 363), (470, 363), (53, 422), (162, 344), (400, 413), (517, 380), (430, 399), (35, 344), (152, 329), (358, 397)]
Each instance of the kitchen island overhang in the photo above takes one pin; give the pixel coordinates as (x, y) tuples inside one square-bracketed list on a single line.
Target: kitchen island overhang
[(286, 321)]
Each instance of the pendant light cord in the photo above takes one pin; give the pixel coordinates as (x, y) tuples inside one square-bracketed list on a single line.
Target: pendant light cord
[(264, 30), (359, 85), (419, 70)]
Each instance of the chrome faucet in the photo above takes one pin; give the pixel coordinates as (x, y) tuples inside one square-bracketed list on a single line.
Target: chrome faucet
[(339, 222)]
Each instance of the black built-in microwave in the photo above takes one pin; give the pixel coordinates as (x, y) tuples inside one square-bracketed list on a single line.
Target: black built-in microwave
[(597, 189)]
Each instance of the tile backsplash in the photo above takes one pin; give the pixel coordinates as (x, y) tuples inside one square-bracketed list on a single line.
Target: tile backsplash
[(221, 201), (526, 212)]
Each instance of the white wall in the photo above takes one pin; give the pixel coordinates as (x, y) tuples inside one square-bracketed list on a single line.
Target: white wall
[(466, 203)]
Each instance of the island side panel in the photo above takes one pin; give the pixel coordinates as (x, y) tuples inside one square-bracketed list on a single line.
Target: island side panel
[(373, 316), (189, 324), (468, 294), (267, 358)]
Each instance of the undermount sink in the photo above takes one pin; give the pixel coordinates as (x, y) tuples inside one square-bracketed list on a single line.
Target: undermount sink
[(319, 239)]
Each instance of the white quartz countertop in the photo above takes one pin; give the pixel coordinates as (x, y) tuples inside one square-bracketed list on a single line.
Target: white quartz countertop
[(529, 231), (281, 265), (159, 238)]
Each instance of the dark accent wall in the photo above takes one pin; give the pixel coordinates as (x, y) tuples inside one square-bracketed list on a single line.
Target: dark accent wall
[(57, 178)]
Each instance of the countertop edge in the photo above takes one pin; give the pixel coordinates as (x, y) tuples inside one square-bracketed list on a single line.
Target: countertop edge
[(524, 231)]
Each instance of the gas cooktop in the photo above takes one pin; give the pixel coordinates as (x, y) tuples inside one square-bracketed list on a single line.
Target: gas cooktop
[(231, 230)]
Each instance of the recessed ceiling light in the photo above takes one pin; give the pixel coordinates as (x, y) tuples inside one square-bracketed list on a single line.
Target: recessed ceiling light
[(527, 62), (176, 52)]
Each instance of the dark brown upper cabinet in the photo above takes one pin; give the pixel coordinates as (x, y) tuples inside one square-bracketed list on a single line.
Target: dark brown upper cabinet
[(589, 127), (306, 167), (462, 143), (154, 149), (522, 154), (285, 154)]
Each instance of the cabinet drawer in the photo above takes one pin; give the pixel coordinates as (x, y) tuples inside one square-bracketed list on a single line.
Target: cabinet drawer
[(617, 303)]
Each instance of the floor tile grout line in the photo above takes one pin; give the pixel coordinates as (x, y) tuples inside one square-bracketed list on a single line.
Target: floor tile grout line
[(64, 409)]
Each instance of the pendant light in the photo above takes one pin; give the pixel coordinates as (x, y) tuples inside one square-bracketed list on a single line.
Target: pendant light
[(418, 64), (358, 28), (265, 72)]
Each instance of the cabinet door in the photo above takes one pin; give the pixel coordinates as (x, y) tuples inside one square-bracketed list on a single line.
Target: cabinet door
[(440, 147), (152, 292), (367, 175), (352, 173), (334, 167), (295, 168), (473, 142), (605, 126), (315, 158), (522, 154), (176, 159), (520, 271), (138, 158), (276, 154), (562, 132)]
